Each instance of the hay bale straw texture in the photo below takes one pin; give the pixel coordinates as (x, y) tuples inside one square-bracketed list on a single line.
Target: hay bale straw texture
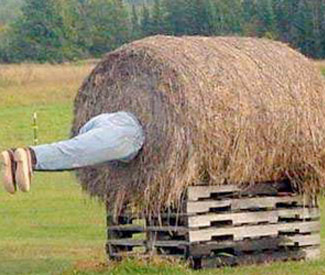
[(216, 110)]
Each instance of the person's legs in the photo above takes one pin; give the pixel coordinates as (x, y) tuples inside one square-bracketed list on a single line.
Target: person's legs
[(117, 136), (93, 147)]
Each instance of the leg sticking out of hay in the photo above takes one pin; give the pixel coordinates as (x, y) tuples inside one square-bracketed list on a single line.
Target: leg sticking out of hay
[(109, 137)]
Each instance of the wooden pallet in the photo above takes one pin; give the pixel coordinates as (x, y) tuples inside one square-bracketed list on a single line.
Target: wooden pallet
[(225, 225)]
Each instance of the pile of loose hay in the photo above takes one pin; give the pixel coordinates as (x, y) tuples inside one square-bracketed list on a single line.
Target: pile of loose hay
[(215, 110)]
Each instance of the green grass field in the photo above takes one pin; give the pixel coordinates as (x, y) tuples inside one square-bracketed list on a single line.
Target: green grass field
[(56, 229)]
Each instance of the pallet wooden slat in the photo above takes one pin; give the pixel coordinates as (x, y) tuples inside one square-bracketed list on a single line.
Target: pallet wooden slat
[(271, 216), (251, 231), (206, 248), (195, 193), (301, 227), (240, 204), (158, 243), (302, 213), (301, 240), (235, 218)]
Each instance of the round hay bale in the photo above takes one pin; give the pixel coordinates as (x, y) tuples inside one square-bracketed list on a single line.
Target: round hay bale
[(215, 110)]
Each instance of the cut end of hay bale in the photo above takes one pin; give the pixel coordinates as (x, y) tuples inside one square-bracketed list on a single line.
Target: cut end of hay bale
[(215, 111)]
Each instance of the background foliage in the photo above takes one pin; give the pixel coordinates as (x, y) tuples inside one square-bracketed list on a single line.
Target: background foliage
[(61, 30)]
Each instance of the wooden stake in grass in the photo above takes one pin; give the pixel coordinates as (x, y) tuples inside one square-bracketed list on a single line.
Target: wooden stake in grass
[(35, 128)]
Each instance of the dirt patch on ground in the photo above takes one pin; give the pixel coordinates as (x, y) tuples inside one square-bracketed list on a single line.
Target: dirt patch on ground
[(90, 265)]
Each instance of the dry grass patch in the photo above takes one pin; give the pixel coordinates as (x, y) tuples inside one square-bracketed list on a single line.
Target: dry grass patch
[(30, 84)]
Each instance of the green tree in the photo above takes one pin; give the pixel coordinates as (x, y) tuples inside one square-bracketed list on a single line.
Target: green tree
[(249, 10), (78, 25), (177, 23), (250, 18), (301, 29), (135, 24), (38, 34), (301, 23), (208, 11), (110, 26), (318, 9), (157, 20), (322, 29), (266, 18), (4, 46), (200, 17), (229, 17), (58, 30), (146, 26)]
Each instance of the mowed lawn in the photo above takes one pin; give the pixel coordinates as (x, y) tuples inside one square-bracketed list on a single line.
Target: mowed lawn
[(56, 228)]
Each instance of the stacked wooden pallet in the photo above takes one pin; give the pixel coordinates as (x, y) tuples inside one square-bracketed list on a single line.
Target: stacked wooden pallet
[(225, 225)]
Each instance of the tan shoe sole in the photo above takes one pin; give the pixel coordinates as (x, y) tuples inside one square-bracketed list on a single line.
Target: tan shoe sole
[(23, 170), (7, 175)]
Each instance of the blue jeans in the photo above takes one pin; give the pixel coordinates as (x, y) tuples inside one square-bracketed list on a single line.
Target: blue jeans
[(107, 137)]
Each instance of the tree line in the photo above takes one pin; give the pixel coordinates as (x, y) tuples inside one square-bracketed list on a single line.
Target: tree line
[(62, 30)]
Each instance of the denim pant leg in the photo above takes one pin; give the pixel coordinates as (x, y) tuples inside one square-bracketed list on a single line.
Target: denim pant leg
[(107, 137)]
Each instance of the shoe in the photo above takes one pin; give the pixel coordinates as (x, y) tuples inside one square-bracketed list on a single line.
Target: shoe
[(24, 169), (8, 170)]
